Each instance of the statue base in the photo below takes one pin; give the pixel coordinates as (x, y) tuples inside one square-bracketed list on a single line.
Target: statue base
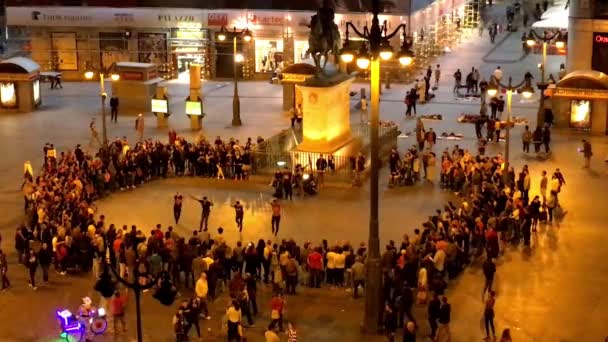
[(326, 112), (326, 120), (195, 122)]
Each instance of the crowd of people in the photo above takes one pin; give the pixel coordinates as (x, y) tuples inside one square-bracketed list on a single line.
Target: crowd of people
[(496, 209), (59, 202)]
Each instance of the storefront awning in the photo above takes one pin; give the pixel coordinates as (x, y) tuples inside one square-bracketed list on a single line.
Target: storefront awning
[(18, 65), (583, 84)]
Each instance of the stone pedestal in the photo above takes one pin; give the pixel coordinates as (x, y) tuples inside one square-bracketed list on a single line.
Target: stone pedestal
[(326, 115), (161, 121), (326, 120), (195, 122), (195, 89)]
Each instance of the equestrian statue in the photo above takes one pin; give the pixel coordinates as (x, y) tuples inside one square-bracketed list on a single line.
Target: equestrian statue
[(324, 37)]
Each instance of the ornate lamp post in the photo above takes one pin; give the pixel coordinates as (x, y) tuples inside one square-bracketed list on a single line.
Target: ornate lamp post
[(525, 88), (89, 75), (375, 49), (238, 58), (531, 41), (165, 294)]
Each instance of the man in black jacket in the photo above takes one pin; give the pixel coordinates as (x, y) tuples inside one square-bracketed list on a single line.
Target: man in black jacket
[(433, 314), (114, 108)]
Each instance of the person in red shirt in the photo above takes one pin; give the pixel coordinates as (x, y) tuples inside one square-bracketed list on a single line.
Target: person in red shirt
[(277, 305), (117, 309), (315, 265)]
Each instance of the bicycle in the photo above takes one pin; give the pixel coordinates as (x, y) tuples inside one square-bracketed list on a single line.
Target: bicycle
[(74, 328)]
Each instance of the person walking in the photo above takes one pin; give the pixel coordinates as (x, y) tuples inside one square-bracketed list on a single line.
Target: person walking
[(3, 271), (489, 269), (277, 306), (139, 127), (390, 322), (205, 213), (587, 153), (408, 104), (321, 165), (437, 75), (31, 262), (358, 275), (202, 290), (238, 215), (488, 314), (526, 139), (292, 333), (457, 80), (94, 135), (45, 258), (475, 80), (276, 216), (114, 108), (177, 207), (433, 314), (443, 331), (117, 308)]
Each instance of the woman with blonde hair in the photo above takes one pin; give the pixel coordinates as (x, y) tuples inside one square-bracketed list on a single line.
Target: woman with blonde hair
[(422, 286)]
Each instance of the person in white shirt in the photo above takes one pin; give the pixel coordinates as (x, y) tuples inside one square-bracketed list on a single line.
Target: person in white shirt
[(498, 73), (439, 260)]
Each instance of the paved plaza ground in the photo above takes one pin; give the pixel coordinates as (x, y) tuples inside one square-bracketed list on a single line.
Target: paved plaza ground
[(553, 292)]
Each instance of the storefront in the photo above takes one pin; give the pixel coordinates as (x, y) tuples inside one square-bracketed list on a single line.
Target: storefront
[(19, 85), (74, 39), (580, 101)]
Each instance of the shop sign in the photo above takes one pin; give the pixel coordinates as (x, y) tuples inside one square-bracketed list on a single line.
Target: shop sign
[(217, 19), (124, 18), (599, 38), (294, 78), (131, 76), (266, 20), (591, 94), (41, 16), (176, 18)]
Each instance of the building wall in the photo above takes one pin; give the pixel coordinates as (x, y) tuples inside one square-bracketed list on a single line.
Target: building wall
[(585, 19)]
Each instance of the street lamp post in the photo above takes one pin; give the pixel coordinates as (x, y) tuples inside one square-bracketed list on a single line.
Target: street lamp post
[(238, 58), (102, 91), (531, 41), (165, 294), (375, 49), (525, 88)]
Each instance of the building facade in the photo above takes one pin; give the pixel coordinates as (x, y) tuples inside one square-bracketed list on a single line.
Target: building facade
[(580, 98), (73, 39)]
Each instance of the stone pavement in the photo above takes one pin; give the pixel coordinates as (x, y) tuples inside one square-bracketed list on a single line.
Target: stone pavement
[(553, 292)]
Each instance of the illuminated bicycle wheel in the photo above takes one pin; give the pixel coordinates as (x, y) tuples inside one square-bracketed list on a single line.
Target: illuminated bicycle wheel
[(99, 325), (72, 336)]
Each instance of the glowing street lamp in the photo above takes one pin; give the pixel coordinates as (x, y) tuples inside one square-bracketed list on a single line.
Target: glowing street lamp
[(238, 58), (375, 49), (89, 75)]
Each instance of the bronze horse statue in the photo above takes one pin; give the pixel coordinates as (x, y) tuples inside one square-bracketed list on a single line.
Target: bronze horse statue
[(324, 37)]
